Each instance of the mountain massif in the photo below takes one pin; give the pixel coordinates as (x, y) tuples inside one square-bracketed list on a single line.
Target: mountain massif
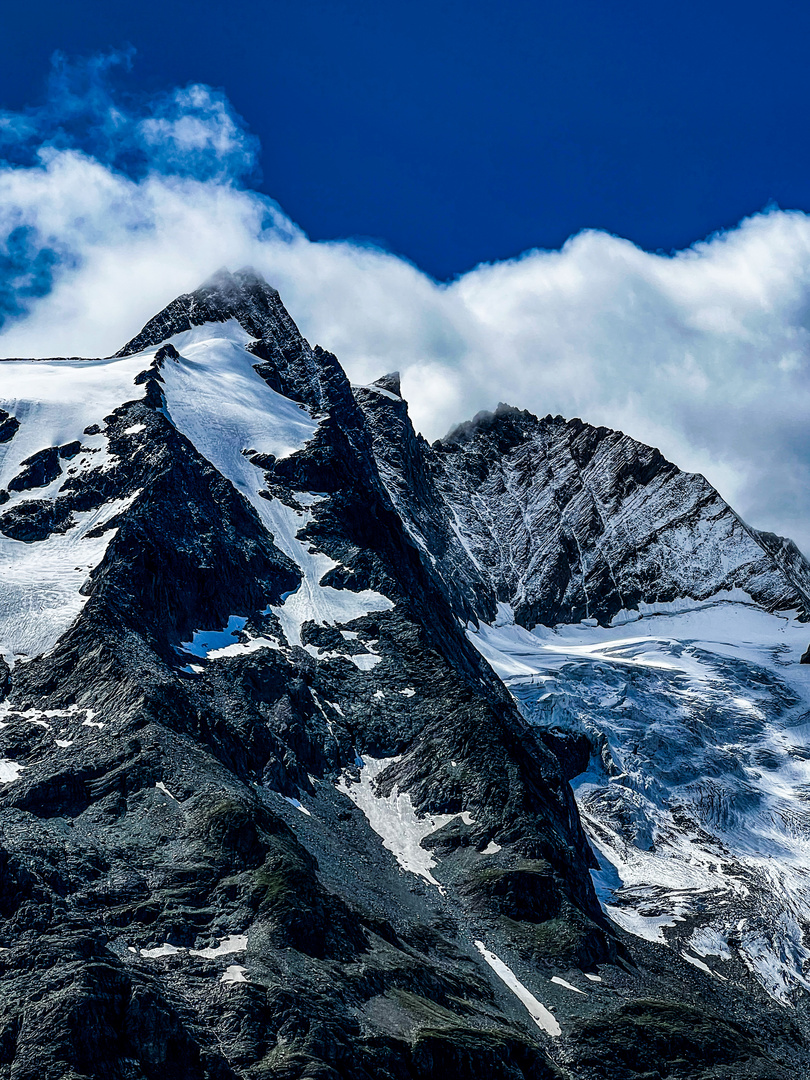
[(328, 753)]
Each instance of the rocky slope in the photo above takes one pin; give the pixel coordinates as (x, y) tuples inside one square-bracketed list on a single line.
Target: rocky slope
[(267, 810)]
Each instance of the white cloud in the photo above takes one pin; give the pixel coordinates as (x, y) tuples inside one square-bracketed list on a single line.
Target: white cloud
[(194, 130), (704, 353)]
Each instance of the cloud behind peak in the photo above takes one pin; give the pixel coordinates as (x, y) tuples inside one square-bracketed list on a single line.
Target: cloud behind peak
[(112, 206)]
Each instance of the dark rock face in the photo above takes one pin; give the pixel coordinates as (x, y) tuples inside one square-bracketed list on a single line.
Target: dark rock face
[(35, 520), (9, 426), (406, 465), (564, 521), (185, 888), (636, 1039), (39, 470)]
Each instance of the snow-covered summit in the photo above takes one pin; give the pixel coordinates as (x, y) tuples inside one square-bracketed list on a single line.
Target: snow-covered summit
[(287, 362), (244, 296)]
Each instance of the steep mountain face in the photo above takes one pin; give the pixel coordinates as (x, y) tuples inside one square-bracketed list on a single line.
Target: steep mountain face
[(570, 521), (563, 521), (272, 802)]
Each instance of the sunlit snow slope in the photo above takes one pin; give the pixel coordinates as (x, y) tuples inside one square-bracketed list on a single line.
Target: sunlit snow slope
[(53, 402), (216, 398)]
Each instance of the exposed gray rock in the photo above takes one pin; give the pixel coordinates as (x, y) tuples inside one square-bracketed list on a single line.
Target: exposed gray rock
[(569, 521)]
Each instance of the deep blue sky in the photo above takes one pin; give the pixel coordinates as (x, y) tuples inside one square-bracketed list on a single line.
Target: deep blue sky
[(456, 131)]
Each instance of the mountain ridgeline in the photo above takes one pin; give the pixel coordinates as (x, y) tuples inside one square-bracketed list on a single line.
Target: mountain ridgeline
[(291, 730)]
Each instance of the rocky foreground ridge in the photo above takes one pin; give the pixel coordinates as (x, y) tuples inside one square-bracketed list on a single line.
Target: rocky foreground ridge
[(272, 804)]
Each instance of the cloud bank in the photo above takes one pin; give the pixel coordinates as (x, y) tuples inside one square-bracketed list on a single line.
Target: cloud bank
[(110, 207)]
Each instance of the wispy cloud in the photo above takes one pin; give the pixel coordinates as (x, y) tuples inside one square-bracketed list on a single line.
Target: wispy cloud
[(190, 131), (110, 206)]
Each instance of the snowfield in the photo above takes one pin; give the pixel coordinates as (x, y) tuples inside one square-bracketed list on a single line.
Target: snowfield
[(394, 819), (54, 401)]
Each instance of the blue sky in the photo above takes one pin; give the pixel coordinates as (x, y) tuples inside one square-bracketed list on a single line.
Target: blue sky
[(455, 131), (505, 204)]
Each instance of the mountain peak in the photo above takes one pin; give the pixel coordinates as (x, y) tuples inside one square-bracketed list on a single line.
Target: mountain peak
[(220, 279), (235, 286), (291, 704), (312, 377), (244, 296), (390, 382), (483, 421)]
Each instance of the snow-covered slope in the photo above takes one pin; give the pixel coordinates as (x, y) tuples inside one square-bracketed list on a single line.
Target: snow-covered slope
[(45, 453)]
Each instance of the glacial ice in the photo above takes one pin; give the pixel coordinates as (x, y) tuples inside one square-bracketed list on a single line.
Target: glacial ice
[(696, 802)]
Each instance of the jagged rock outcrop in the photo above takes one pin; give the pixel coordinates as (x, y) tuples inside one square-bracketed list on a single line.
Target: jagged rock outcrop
[(572, 521)]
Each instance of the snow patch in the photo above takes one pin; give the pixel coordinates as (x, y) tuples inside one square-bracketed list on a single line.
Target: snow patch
[(568, 986), (377, 390), (394, 819), (234, 973), (9, 771), (707, 941), (544, 1019), (161, 950), (693, 960), (231, 944), (227, 945), (649, 927), (308, 498), (365, 661)]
